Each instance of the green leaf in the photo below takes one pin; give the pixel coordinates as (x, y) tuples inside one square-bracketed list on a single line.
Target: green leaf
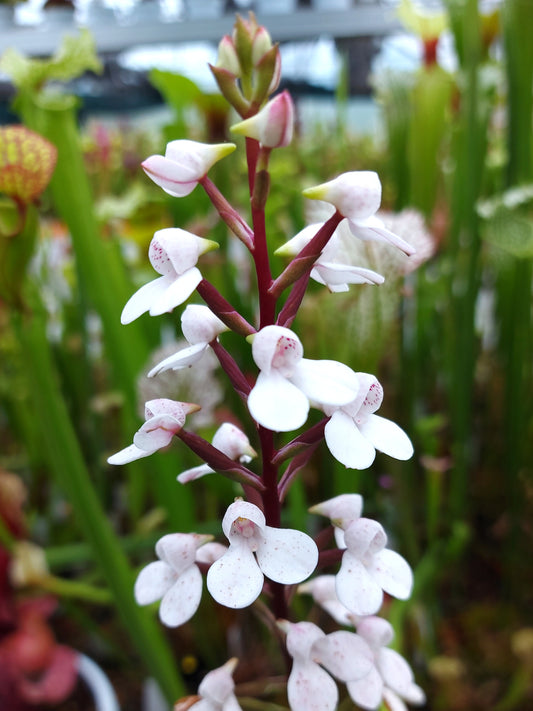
[(177, 90), (511, 232), (74, 56)]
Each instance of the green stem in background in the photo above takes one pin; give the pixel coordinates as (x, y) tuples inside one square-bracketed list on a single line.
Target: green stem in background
[(515, 282), (75, 589), (64, 459), (464, 253), (103, 279)]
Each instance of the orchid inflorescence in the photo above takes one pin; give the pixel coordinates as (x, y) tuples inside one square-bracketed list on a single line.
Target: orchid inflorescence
[(261, 556)]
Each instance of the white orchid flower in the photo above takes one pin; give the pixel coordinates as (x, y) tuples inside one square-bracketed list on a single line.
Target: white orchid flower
[(216, 690), (232, 442), (284, 555), (342, 510), (280, 399), (357, 196), (354, 432), (390, 679), (344, 655), (184, 164), (200, 326), (368, 569), (163, 419), (174, 579), (332, 268), (173, 253)]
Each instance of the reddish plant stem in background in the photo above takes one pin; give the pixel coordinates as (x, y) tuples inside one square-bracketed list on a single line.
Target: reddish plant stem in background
[(228, 213)]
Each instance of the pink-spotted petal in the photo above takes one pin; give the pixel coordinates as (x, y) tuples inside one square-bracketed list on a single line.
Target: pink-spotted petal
[(310, 688), (326, 381), (277, 404), (177, 292), (398, 675), (182, 600), (365, 537), (377, 631), (241, 510), (287, 556), (393, 573), (234, 580), (143, 299), (356, 588), (178, 550), (367, 692), (153, 582), (210, 552), (346, 443), (182, 359), (344, 654), (387, 437), (276, 348), (182, 248), (300, 638)]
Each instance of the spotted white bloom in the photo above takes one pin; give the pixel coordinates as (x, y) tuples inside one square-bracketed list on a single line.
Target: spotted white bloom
[(344, 655), (173, 253), (287, 383), (332, 268), (390, 679), (174, 579), (184, 164), (232, 442), (357, 196), (163, 419), (354, 432), (284, 555), (368, 568), (216, 691), (200, 326)]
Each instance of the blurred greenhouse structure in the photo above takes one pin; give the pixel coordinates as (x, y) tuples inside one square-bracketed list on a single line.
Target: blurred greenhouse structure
[(437, 99)]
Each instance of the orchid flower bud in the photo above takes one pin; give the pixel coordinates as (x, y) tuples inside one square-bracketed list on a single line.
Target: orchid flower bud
[(273, 125), (227, 56), (262, 43)]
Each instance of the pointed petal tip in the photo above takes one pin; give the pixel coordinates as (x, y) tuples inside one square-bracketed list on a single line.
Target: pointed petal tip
[(315, 192)]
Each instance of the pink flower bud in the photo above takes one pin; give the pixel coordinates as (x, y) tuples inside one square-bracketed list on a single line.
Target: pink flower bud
[(227, 56), (273, 125)]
